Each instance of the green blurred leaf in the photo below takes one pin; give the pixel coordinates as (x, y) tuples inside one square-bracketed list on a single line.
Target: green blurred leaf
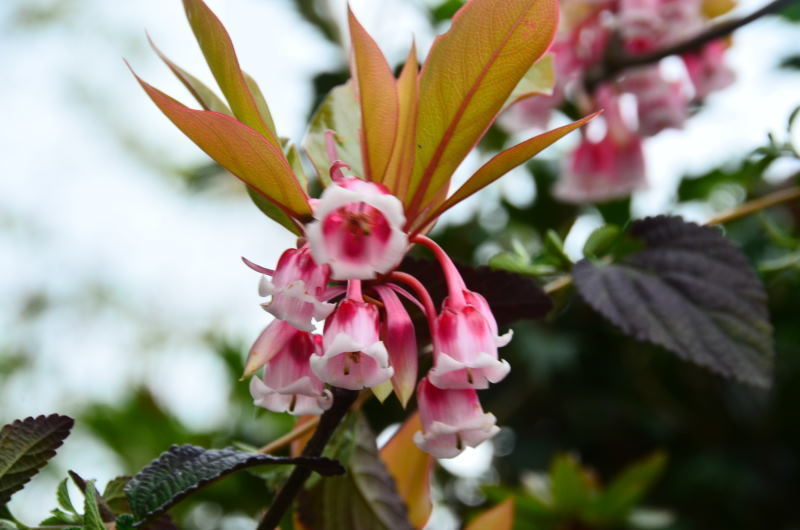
[(570, 487), (183, 470), (446, 10), (91, 511), (600, 241), (690, 291), (539, 80), (338, 112), (26, 446), (520, 265), (365, 497), (62, 494), (114, 494), (554, 246), (628, 489)]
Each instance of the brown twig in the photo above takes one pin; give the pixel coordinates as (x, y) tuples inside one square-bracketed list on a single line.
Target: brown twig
[(328, 422), (756, 205), (616, 63), (290, 436)]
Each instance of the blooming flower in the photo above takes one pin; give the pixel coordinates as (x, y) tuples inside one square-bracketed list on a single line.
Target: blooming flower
[(288, 384), (297, 287), (358, 230), (451, 420), (353, 355)]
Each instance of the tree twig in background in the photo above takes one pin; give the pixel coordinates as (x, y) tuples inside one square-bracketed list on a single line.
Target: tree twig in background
[(616, 63), (756, 205)]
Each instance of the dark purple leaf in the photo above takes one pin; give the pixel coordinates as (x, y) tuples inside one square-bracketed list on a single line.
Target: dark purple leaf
[(691, 291)]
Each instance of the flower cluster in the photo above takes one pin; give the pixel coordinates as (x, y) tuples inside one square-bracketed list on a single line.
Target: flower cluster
[(348, 255), (414, 130), (639, 103)]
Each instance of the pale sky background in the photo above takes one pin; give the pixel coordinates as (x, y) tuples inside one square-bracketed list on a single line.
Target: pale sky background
[(137, 269)]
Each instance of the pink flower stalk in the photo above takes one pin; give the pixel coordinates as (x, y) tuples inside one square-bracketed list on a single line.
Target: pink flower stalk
[(707, 69), (451, 420), (288, 384), (298, 289), (353, 355), (358, 230)]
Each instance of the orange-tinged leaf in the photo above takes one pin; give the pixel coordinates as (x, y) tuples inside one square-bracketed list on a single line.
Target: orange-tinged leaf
[(504, 162), (402, 162), (467, 77), (218, 50), (411, 468), (377, 93), (500, 517), (239, 149), (204, 95)]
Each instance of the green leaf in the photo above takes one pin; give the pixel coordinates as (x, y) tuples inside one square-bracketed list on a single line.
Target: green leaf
[(114, 494), (520, 265), (689, 290), (269, 209), (184, 469), (622, 495), (338, 112), (538, 80), (600, 241), (91, 511), (26, 446), (570, 487), (365, 497), (62, 494)]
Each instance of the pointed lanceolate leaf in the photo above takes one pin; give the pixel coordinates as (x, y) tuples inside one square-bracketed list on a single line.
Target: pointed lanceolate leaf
[(689, 290), (504, 162), (218, 50), (339, 112), (184, 469), (500, 517), (26, 446), (91, 511), (377, 94), (239, 149), (402, 162), (469, 74), (411, 469), (628, 488), (204, 95), (511, 296), (365, 497)]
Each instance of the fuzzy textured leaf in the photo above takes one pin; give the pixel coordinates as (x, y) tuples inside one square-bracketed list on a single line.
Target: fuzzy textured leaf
[(363, 499), (239, 149), (338, 112), (469, 74), (511, 296), (26, 446), (184, 469), (689, 290)]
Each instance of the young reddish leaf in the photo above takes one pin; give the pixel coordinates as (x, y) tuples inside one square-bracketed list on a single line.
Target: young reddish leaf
[(500, 517), (411, 469), (218, 50), (377, 93), (204, 95), (504, 162), (469, 74), (239, 149), (402, 162), (261, 101), (537, 81)]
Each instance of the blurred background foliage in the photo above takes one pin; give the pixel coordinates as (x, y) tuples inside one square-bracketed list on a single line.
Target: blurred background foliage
[(578, 386)]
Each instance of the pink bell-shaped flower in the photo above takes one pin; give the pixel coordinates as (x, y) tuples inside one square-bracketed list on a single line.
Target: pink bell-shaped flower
[(451, 420), (358, 230), (289, 385), (707, 69), (298, 289), (271, 341), (660, 104), (353, 355), (465, 348)]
